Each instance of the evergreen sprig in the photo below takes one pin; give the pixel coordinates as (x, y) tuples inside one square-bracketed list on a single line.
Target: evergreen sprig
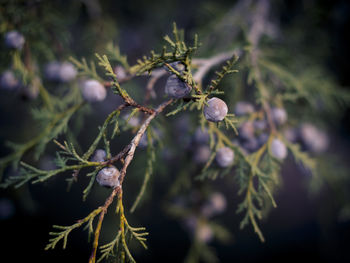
[(85, 69), (179, 52), (226, 69), (114, 54), (63, 235)]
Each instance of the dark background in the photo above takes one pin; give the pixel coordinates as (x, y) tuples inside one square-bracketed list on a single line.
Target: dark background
[(301, 228)]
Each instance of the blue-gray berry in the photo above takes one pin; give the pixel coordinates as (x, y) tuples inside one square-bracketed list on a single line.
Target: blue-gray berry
[(278, 149), (93, 90), (216, 204), (224, 157), (218, 201), (314, 140), (215, 110), (99, 156), (67, 72), (243, 108), (14, 39), (279, 115), (176, 88), (8, 80), (108, 177), (120, 72), (52, 70)]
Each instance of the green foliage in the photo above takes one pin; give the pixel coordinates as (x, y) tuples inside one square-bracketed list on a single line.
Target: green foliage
[(113, 53), (179, 51), (63, 235), (85, 69), (226, 69)]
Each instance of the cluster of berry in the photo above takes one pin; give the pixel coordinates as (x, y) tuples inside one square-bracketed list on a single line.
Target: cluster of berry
[(215, 110), (253, 133), (8, 80), (55, 71), (108, 176), (60, 71)]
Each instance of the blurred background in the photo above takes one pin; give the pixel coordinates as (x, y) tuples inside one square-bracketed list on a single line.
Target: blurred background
[(304, 226)]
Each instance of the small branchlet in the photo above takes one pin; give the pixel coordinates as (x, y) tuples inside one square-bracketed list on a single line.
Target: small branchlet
[(179, 52), (63, 235), (85, 69), (226, 69)]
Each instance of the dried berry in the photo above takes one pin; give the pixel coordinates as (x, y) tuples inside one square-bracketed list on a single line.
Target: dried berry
[(108, 177), (215, 110), (176, 88), (224, 157), (93, 90), (243, 108), (14, 39), (278, 149)]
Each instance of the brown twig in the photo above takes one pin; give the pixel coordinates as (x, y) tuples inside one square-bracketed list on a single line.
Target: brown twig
[(130, 151), (135, 141), (104, 208)]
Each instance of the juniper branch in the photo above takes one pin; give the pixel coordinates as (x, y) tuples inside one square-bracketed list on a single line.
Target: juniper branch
[(129, 151)]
